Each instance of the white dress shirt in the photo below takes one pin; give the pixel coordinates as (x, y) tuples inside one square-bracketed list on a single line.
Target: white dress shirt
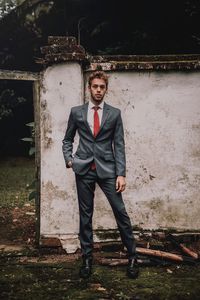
[(90, 114)]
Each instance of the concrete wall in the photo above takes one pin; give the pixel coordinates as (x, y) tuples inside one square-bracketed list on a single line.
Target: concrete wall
[(62, 88), (161, 113)]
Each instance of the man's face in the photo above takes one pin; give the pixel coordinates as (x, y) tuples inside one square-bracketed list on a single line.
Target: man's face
[(98, 89)]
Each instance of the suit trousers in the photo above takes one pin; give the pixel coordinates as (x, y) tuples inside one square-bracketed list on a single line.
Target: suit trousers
[(85, 190)]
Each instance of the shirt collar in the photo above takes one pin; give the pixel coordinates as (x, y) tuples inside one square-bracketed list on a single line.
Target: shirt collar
[(91, 105)]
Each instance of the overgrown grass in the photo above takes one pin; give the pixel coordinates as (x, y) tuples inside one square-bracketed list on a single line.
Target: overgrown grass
[(16, 174), (36, 281)]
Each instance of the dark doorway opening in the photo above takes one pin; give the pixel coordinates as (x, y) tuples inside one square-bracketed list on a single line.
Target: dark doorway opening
[(18, 212)]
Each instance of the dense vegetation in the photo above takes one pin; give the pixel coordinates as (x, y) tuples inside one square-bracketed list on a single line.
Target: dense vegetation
[(104, 27)]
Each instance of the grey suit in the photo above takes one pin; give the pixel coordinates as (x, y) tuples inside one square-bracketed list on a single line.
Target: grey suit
[(108, 152)]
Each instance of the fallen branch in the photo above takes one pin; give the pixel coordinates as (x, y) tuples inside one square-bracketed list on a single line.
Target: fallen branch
[(122, 262), (184, 249), (164, 255)]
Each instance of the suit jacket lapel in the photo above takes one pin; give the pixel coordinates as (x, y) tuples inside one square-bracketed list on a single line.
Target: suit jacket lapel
[(104, 116), (84, 115)]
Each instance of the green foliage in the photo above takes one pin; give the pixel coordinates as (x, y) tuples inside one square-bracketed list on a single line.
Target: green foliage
[(15, 175), (31, 139), (33, 186), (7, 5), (8, 102), (32, 195)]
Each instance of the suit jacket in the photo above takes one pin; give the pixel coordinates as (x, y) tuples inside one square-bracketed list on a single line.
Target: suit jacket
[(107, 149)]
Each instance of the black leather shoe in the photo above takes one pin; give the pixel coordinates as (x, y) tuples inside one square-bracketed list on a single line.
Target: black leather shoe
[(132, 268), (86, 268)]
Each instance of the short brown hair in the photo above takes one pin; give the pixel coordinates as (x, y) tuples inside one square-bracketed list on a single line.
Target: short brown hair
[(100, 75)]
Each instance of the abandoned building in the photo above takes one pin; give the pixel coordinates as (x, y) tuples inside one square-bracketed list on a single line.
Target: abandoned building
[(159, 99)]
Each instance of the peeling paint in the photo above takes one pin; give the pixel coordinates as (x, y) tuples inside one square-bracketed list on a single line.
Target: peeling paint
[(155, 204), (161, 112), (53, 190), (61, 89), (46, 123)]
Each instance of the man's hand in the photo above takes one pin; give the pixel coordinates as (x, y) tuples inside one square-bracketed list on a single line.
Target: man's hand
[(120, 184), (69, 165)]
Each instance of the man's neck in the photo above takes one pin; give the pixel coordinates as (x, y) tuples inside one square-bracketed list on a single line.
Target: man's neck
[(96, 103)]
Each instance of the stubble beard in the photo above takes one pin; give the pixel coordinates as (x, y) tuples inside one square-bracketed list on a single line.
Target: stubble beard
[(96, 101)]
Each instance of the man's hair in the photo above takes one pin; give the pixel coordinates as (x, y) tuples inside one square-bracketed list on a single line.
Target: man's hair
[(99, 75)]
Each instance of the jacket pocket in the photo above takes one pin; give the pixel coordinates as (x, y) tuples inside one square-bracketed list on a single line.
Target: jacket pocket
[(81, 155)]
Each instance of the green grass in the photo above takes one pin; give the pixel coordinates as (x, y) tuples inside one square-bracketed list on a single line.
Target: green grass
[(48, 282), (33, 281), (15, 176)]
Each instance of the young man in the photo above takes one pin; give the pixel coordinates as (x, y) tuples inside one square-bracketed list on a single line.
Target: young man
[(100, 158)]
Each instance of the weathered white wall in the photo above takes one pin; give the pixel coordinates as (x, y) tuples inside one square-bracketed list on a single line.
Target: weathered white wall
[(161, 115), (62, 88)]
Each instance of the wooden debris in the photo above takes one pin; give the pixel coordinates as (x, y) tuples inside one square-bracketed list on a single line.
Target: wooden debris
[(156, 257), (142, 261), (159, 235), (152, 251), (121, 261), (186, 237), (164, 255), (50, 242), (183, 248)]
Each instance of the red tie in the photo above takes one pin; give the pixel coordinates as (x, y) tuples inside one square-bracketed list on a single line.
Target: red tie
[(96, 120), (96, 128)]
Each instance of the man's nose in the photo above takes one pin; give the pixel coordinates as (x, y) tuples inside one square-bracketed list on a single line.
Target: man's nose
[(98, 89)]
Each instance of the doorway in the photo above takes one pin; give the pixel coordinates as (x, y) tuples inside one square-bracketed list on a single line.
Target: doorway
[(19, 168)]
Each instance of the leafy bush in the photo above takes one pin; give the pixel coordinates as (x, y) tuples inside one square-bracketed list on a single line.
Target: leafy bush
[(8, 102), (31, 139), (33, 186)]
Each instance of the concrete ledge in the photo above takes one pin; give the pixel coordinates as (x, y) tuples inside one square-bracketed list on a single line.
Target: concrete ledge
[(70, 242), (18, 75), (144, 62)]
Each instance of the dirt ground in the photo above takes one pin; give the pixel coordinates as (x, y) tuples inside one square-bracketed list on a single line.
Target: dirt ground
[(31, 273), (17, 225), (26, 276)]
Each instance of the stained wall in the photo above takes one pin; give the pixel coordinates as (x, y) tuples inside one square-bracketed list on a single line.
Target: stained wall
[(161, 115)]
